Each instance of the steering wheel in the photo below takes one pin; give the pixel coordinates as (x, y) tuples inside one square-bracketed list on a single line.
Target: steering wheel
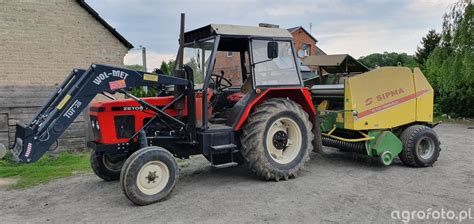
[(219, 85)]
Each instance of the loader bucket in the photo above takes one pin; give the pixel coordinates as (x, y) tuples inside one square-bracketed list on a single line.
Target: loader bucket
[(27, 150)]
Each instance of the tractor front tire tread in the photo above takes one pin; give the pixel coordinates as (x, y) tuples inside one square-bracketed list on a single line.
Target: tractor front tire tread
[(101, 170)]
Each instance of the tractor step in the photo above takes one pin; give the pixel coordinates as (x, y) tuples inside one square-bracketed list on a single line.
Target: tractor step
[(224, 165), (223, 148)]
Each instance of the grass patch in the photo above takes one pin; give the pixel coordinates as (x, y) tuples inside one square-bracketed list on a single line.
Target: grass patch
[(44, 170)]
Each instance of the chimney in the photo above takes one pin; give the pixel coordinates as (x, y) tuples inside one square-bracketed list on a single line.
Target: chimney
[(268, 25)]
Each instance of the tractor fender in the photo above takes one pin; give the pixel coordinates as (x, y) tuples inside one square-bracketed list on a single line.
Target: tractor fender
[(250, 101)]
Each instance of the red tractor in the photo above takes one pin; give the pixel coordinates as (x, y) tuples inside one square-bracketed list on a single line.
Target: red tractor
[(266, 120)]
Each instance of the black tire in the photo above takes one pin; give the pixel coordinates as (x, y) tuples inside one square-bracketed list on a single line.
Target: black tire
[(318, 137), (107, 167), (256, 130), (413, 138), (139, 162)]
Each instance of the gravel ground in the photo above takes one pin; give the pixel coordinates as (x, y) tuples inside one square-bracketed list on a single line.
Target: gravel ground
[(333, 188)]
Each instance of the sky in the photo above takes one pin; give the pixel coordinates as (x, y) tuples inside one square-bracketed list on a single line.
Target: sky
[(355, 27)]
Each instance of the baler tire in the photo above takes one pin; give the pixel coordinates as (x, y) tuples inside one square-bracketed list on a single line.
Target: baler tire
[(142, 191), (318, 137), (411, 138), (105, 169), (255, 133)]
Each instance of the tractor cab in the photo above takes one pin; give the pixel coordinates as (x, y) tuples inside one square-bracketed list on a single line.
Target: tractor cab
[(231, 62)]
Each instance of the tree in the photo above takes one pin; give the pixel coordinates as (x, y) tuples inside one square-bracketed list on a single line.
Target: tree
[(134, 67), (167, 67), (428, 44), (388, 59), (138, 90), (450, 67)]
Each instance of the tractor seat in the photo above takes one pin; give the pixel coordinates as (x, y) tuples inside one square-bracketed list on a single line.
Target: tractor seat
[(235, 97)]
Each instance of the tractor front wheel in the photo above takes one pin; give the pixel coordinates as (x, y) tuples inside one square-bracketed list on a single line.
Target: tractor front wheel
[(277, 139), (107, 167), (149, 175)]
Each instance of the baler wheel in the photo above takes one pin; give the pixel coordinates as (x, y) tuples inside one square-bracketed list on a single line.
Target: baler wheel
[(277, 139), (420, 146), (107, 167), (149, 175)]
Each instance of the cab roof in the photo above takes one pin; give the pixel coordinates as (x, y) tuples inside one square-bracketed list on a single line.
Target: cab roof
[(234, 30)]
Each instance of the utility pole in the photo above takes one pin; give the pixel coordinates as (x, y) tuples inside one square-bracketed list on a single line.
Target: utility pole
[(144, 58), (145, 88)]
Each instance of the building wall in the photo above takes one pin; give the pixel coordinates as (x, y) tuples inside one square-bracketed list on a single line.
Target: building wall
[(230, 66), (300, 37), (40, 43)]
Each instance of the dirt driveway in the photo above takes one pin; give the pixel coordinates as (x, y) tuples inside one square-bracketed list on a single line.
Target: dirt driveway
[(334, 187)]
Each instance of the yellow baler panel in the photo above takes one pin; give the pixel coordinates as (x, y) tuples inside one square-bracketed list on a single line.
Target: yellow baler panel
[(425, 95), (383, 98)]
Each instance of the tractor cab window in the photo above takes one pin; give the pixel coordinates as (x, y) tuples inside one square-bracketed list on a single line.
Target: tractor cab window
[(232, 60), (277, 71), (196, 55)]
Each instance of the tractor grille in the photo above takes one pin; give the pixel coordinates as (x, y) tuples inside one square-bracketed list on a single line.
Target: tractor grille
[(124, 126)]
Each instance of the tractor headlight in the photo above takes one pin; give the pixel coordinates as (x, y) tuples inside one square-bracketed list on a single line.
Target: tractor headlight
[(92, 123), (97, 125)]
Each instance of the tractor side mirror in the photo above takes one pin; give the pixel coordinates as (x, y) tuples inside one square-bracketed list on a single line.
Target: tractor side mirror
[(272, 49)]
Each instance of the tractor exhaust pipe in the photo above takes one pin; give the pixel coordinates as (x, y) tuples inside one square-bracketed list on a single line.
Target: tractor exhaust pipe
[(181, 42), (180, 73)]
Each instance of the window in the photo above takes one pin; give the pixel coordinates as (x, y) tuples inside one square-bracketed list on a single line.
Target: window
[(229, 54), (306, 49), (278, 71), (196, 55)]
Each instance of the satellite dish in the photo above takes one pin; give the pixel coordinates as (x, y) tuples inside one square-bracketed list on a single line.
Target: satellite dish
[(301, 53)]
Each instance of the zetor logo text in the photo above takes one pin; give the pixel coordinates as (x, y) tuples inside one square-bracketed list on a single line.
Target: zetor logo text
[(104, 75), (385, 96)]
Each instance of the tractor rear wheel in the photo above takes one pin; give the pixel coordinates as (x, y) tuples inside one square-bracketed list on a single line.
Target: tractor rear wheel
[(107, 167), (277, 139), (149, 175), (420, 146)]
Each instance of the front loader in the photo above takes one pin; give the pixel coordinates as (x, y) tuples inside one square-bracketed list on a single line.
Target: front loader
[(260, 114)]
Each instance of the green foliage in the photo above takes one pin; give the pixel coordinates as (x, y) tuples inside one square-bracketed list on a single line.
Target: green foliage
[(388, 59), (140, 91), (134, 67), (44, 170), (450, 67), (428, 44), (198, 75), (167, 67)]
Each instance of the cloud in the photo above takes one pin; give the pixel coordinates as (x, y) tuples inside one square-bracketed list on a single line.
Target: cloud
[(153, 59), (355, 27)]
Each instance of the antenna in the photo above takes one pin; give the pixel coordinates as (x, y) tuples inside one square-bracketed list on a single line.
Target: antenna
[(310, 27)]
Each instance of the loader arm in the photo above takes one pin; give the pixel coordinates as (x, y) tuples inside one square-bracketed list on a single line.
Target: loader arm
[(35, 138)]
